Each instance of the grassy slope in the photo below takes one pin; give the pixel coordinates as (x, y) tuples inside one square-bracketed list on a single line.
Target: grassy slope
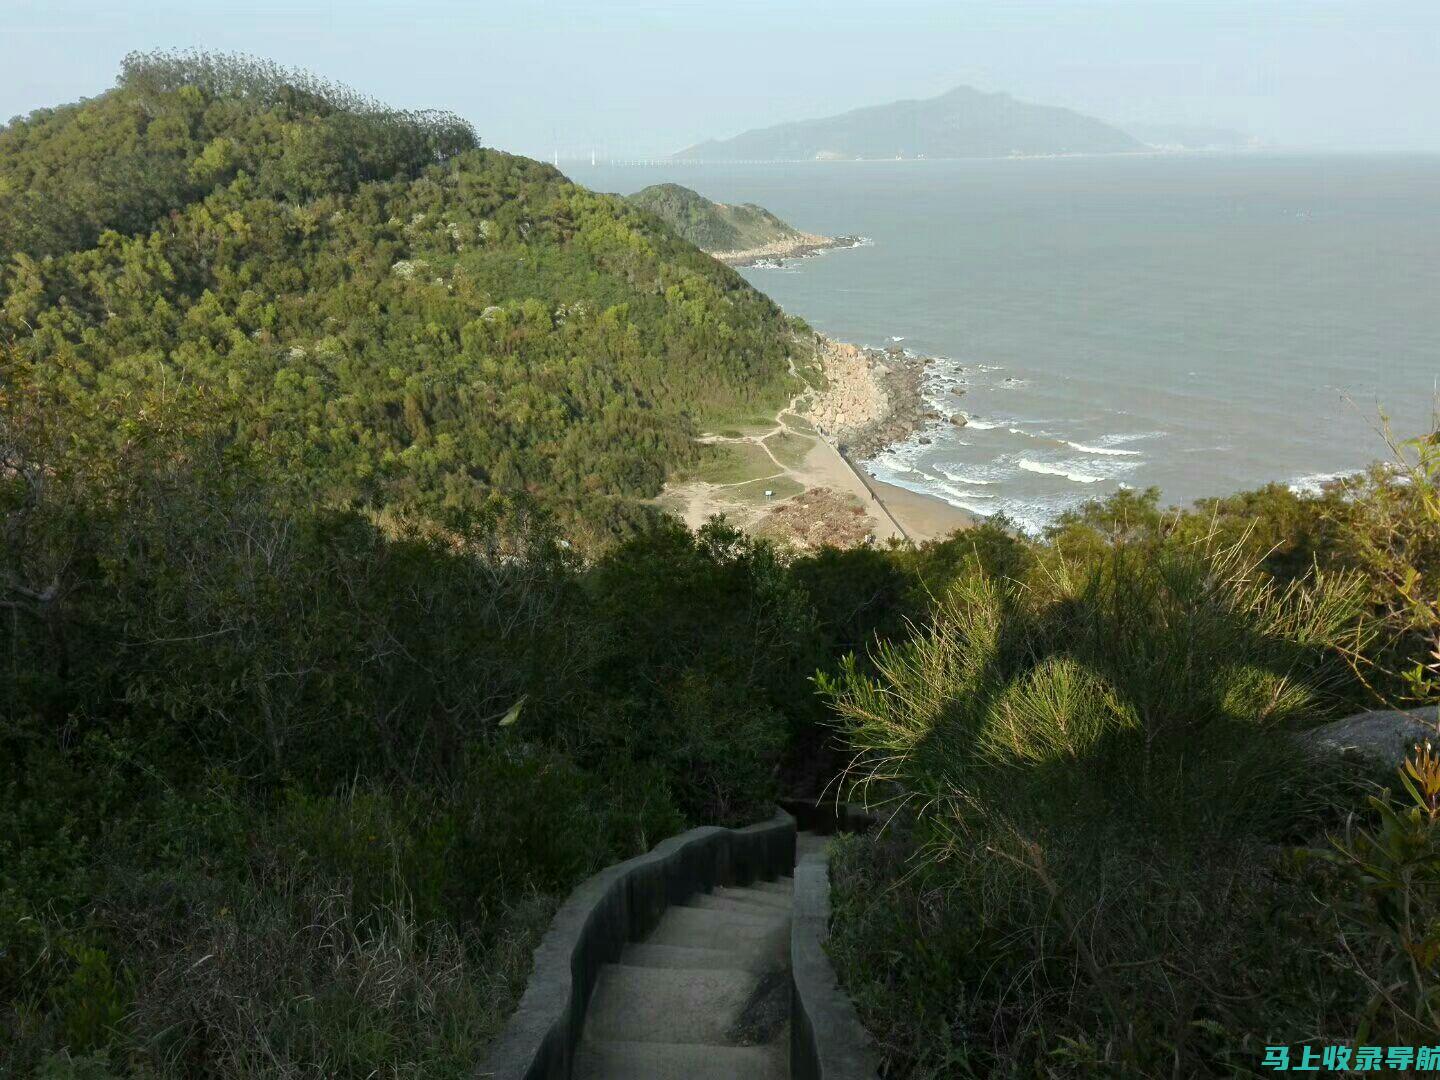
[(1108, 856), (712, 226)]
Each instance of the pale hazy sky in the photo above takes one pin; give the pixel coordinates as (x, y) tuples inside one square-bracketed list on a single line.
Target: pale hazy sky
[(651, 77)]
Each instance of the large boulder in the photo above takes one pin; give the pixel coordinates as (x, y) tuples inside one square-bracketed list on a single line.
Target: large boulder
[(1384, 738)]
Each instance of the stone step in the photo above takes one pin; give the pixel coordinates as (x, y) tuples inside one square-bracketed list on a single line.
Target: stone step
[(780, 886), (706, 929), (754, 957), (668, 1005), (751, 913), (738, 905), (616, 1060), (754, 896), (808, 845)]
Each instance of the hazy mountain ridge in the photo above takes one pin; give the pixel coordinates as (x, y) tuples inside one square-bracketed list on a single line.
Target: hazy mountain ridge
[(963, 122)]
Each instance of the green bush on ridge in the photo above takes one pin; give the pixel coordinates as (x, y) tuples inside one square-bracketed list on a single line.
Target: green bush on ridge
[(387, 313)]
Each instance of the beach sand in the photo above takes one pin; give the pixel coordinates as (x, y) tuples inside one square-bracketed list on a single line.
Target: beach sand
[(924, 517)]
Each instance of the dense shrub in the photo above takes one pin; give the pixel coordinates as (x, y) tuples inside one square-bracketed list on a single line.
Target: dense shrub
[(292, 789), (1093, 785)]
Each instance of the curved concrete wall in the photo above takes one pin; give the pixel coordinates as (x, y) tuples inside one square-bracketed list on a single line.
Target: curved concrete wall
[(621, 904), (827, 817), (827, 1040)]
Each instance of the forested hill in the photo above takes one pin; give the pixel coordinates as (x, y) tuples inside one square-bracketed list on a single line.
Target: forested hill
[(376, 307), (713, 226), (962, 123)]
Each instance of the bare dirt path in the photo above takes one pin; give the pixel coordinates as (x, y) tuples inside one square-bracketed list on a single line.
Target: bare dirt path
[(820, 467)]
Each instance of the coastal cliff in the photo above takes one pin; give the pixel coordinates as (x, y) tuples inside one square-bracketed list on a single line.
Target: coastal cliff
[(740, 235), (870, 398)]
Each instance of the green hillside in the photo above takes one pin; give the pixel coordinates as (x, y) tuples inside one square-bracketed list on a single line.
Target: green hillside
[(962, 123), (372, 301), (713, 226), (336, 649)]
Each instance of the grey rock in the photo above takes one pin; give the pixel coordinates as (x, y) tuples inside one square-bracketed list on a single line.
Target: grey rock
[(1385, 738)]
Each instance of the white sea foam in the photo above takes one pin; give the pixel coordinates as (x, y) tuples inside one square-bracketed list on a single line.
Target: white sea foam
[(1030, 516), (1315, 483), (951, 473), (893, 460), (1066, 470), (981, 425), (961, 493), (1108, 451), (1129, 437)]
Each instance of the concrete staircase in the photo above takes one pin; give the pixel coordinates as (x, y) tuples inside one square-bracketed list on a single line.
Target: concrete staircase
[(705, 997)]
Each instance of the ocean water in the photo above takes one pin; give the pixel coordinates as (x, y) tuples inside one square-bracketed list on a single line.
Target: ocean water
[(1203, 324)]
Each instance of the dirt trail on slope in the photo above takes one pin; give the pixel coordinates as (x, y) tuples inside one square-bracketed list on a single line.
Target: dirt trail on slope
[(815, 496)]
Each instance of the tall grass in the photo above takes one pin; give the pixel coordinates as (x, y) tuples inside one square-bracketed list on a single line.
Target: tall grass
[(1087, 774)]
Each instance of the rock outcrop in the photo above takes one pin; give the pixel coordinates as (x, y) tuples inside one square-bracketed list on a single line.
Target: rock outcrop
[(1383, 738), (872, 398)]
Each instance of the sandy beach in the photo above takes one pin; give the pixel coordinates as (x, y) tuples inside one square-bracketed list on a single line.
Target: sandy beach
[(923, 517)]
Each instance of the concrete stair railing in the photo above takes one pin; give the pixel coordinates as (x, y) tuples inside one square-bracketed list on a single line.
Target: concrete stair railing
[(827, 1040), (701, 960)]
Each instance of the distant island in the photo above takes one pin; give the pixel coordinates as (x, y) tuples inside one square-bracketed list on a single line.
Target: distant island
[(962, 123), (739, 235)]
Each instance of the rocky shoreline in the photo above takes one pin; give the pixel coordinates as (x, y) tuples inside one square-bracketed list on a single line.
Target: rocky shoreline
[(799, 246), (874, 398)]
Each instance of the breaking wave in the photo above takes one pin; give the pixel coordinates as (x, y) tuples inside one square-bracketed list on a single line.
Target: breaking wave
[(1316, 483), (1069, 473), (1108, 451)]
